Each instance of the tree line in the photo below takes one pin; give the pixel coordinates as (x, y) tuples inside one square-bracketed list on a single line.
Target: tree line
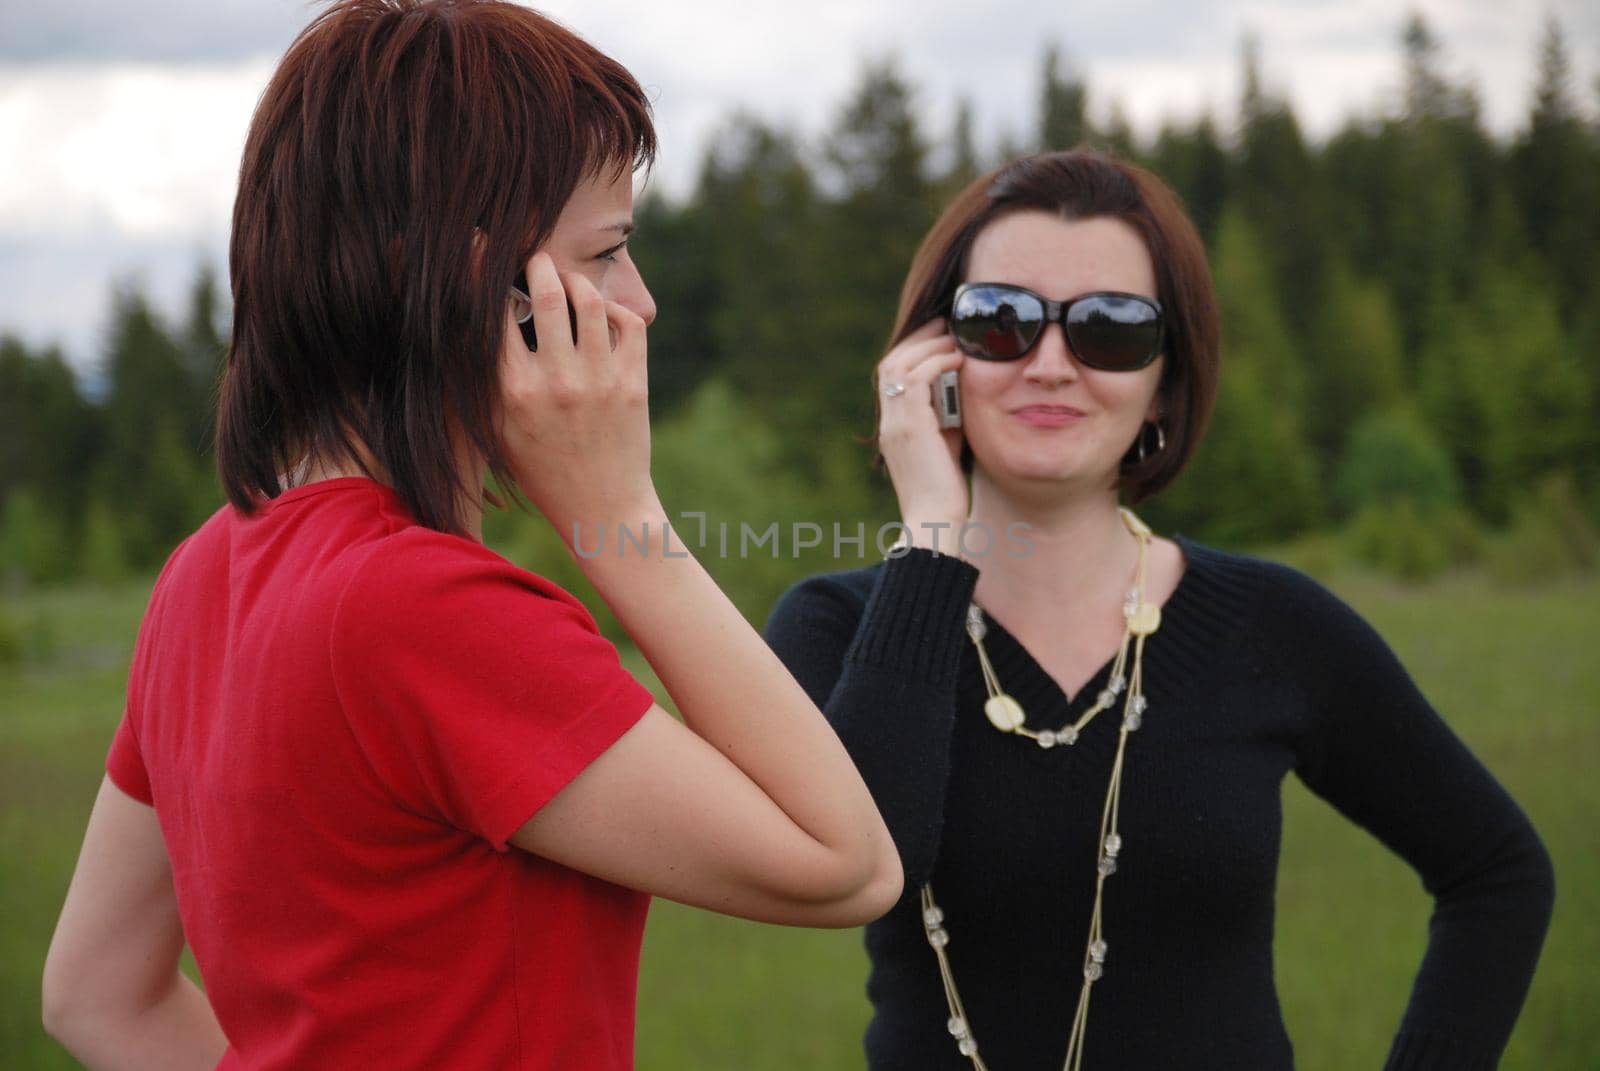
[(1411, 326)]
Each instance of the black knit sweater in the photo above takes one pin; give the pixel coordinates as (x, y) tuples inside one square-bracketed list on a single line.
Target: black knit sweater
[(1256, 671)]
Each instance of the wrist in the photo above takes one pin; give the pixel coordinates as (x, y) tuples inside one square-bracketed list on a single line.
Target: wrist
[(636, 514), (941, 535)]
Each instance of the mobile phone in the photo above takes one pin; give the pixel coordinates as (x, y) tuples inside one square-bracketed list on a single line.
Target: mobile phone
[(524, 304), (947, 399)]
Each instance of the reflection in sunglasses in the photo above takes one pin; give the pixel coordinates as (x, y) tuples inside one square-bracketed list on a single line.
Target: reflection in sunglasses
[(1108, 330)]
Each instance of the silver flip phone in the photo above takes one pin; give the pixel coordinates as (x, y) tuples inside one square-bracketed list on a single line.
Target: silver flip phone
[(947, 399)]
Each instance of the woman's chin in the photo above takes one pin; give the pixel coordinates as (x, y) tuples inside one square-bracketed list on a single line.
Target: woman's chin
[(1042, 479)]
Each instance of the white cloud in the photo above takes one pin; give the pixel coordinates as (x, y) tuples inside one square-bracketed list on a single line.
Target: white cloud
[(139, 150)]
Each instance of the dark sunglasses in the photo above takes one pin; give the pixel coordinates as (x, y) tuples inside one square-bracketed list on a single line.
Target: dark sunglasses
[(1111, 331)]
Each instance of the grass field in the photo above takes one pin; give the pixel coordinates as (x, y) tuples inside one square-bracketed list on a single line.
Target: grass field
[(1507, 667)]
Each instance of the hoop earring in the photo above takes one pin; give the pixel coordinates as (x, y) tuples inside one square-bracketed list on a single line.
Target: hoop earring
[(1161, 438)]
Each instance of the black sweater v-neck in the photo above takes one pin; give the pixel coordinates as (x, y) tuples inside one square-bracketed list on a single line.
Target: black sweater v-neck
[(1256, 671)]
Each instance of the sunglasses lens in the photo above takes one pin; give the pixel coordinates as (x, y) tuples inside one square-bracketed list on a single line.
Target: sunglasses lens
[(1114, 332), (996, 323)]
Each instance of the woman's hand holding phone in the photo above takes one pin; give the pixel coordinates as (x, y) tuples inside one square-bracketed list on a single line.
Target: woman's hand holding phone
[(923, 458), (574, 417)]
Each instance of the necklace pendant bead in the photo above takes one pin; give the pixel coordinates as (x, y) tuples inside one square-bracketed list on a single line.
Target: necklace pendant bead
[(933, 917), (976, 628), (1092, 971), (1113, 843), (1105, 698), (1067, 735), (967, 1047), (1108, 866), (1117, 684), (1004, 713), (1097, 951), (938, 937), (1139, 704), (1047, 739), (1132, 723), (1145, 620), (957, 1027)]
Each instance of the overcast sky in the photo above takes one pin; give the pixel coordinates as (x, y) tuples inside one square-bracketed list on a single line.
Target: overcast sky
[(121, 121)]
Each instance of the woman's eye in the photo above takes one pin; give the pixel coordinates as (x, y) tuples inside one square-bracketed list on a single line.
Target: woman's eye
[(611, 254)]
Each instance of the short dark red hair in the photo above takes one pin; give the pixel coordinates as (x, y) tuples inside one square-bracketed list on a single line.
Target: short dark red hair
[(406, 159), (1083, 184)]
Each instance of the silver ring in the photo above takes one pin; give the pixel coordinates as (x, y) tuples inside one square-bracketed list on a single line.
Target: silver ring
[(894, 390)]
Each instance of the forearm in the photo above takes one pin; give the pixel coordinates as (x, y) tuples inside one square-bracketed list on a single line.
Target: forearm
[(735, 693), (112, 992), (176, 1031), (1483, 945)]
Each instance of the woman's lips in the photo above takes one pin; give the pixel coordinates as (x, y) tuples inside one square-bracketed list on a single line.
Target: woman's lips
[(1048, 416)]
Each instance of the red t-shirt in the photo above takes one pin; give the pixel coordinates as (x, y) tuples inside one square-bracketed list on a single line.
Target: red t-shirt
[(340, 717)]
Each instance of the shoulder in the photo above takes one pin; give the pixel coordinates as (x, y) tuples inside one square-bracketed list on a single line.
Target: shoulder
[(1262, 586), (192, 584), (1279, 610), (420, 575)]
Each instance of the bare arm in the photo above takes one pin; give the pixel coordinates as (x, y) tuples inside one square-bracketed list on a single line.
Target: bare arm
[(113, 993), (752, 806)]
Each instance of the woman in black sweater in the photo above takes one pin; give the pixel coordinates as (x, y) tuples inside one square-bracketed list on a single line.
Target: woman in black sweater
[(1076, 731)]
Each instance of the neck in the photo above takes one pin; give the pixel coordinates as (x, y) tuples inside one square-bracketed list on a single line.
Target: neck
[(1080, 552), (312, 470)]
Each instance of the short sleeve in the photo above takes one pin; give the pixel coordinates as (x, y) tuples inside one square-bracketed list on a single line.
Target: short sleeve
[(125, 763), (477, 690)]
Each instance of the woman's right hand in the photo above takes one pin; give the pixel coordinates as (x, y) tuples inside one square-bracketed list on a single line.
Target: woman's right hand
[(924, 460), (574, 417)]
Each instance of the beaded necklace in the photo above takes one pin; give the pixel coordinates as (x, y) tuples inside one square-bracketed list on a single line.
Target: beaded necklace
[(1141, 619)]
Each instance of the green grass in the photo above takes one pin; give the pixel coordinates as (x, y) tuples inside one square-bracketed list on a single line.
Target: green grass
[(1508, 668)]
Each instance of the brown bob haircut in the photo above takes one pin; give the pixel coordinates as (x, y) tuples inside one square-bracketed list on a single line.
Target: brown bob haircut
[(406, 159), (1083, 184)]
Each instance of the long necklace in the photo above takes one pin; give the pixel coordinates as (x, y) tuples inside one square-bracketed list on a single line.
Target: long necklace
[(1141, 619)]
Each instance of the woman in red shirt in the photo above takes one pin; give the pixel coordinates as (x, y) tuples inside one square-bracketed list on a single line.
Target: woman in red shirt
[(397, 794)]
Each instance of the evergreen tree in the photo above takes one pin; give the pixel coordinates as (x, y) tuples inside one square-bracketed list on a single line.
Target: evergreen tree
[(761, 216), (1063, 105), (877, 159), (964, 162), (153, 463), (1194, 163), (1426, 241), (49, 434), (673, 250), (1506, 392), (1355, 365), (1254, 479), (1553, 165), (202, 349), (1428, 93), (1276, 187), (1118, 136)]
